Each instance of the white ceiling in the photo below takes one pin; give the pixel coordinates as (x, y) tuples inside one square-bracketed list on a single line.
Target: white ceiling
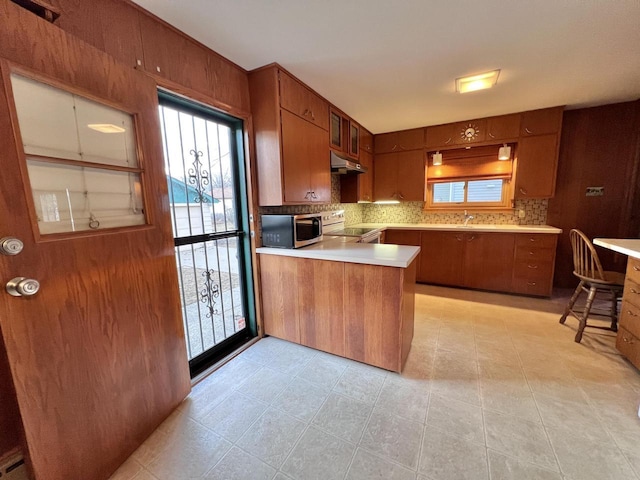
[(391, 64)]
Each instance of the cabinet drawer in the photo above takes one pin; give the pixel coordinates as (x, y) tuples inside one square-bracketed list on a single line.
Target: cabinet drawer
[(533, 270), (632, 292), (629, 346), (298, 99), (630, 318), (527, 286), (633, 270), (535, 240), (532, 253)]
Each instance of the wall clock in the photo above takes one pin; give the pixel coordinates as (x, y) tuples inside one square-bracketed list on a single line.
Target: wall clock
[(469, 133)]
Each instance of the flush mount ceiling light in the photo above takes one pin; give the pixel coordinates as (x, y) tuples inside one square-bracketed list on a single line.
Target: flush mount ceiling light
[(437, 158), (477, 82), (106, 128), (504, 153)]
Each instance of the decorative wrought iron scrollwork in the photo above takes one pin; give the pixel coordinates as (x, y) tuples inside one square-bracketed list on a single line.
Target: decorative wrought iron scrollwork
[(210, 291), (199, 178)]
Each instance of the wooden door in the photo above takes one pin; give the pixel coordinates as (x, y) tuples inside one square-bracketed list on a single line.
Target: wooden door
[(97, 355), (298, 99), (385, 183), (319, 163), (279, 300), (488, 260), (441, 258), (365, 180), (298, 148), (366, 141), (537, 166), (411, 176)]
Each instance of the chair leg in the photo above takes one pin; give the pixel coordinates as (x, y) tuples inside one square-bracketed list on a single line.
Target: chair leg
[(614, 311), (572, 302), (587, 309)]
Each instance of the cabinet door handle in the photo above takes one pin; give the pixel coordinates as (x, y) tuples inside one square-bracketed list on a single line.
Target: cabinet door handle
[(394, 147), (531, 284), (531, 253), (523, 191), (532, 239), (631, 314), (637, 269), (459, 238), (528, 131), (627, 340), (400, 196), (448, 140), (313, 117), (492, 135), (633, 290), (532, 266), (306, 197), (471, 238), (314, 196)]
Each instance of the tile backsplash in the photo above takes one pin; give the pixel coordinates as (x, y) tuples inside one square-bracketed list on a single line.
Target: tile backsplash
[(412, 212)]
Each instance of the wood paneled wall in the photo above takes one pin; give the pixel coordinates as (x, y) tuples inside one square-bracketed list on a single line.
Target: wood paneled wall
[(600, 147), (10, 427)]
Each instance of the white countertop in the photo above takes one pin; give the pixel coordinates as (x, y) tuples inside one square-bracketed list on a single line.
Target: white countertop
[(340, 251), (628, 246), (474, 227)]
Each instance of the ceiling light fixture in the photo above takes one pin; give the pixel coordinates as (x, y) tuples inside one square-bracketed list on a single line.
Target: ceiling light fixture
[(106, 128), (504, 153), (437, 158), (477, 82)]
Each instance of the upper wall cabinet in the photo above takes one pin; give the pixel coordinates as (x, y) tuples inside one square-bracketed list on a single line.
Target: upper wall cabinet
[(537, 153), (292, 139), (359, 187), (403, 140), (503, 127)]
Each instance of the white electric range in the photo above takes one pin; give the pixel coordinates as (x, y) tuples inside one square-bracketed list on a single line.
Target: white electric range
[(333, 225)]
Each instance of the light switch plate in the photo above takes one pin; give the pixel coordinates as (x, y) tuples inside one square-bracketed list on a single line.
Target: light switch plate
[(522, 213)]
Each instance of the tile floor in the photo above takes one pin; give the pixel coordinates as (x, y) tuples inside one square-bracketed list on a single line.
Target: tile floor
[(494, 388)]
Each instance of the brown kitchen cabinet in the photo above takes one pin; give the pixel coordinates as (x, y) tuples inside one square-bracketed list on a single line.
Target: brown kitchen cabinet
[(337, 130), (292, 146), (537, 166), (470, 132), (400, 176), (541, 122), (441, 258), (302, 102), (504, 127), (359, 187), (162, 45), (502, 262), (403, 140), (488, 260), (371, 321), (534, 262), (354, 139), (628, 338), (305, 162), (439, 135)]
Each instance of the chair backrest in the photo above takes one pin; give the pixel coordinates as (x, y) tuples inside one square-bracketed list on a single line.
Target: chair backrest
[(586, 264)]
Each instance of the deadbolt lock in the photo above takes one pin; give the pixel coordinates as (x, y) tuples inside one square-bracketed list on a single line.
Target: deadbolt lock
[(10, 246)]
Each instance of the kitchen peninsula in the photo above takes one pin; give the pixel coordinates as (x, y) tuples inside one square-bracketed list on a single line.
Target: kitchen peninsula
[(349, 299)]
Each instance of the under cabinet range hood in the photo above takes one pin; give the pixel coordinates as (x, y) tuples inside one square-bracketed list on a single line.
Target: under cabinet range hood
[(340, 164)]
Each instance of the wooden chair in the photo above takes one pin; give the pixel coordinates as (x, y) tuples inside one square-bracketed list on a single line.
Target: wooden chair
[(593, 280)]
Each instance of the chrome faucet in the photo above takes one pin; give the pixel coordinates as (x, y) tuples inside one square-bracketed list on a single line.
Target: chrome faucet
[(467, 218)]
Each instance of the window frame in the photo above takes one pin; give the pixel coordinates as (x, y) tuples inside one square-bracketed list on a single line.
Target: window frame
[(505, 203)]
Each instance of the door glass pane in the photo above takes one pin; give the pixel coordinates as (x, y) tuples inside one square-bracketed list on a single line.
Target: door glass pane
[(47, 119), (200, 176), (449, 192), (211, 287), (484, 191), (70, 198), (58, 124)]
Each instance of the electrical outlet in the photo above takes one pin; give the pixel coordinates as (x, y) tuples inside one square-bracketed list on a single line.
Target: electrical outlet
[(522, 213)]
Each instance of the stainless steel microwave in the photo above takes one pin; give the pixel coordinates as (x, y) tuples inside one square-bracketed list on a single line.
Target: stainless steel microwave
[(291, 231)]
